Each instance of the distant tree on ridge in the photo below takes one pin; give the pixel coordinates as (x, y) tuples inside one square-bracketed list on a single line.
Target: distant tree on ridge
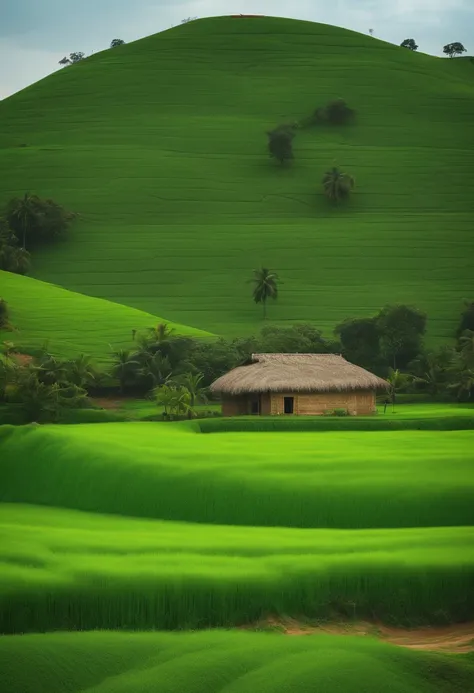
[(453, 49), (116, 42), (410, 44), (73, 58)]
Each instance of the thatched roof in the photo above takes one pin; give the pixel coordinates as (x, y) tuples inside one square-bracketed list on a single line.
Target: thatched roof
[(297, 373)]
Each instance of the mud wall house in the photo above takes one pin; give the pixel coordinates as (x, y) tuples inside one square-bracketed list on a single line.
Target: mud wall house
[(298, 384)]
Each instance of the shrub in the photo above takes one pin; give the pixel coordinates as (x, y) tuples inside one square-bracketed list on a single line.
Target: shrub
[(336, 112), (280, 143), (336, 412), (3, 313)]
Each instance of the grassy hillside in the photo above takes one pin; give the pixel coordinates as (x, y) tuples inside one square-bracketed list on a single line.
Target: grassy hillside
[(160, 145), (68, 322), (219, 662), (348, 480)]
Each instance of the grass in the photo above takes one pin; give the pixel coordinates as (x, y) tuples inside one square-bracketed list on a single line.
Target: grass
[(160, 145), (62, 569), (300, 479), (71, 323), (217, 662)]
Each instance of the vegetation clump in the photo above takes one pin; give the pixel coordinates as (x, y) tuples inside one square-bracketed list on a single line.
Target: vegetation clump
[(410, 44), (453, 49), (337, 184), (13, 258), (34, 220), (280, 143)]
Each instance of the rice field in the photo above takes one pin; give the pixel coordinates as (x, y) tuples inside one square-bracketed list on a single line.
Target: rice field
[(223, 662), (179, 202), (290, 479), (70, 323)]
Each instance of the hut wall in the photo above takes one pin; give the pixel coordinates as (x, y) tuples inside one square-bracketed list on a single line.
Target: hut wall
[(357, 403), (235, 406)]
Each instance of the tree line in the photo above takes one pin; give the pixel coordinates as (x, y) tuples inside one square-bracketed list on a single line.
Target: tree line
[(77, 56), (176, 371)]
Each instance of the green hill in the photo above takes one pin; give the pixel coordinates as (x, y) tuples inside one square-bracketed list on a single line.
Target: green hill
[(220, 661), (161, 146), (68, 322)]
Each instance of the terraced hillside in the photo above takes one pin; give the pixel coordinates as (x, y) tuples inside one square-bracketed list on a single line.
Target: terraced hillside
[(160, 145), (71, 323)]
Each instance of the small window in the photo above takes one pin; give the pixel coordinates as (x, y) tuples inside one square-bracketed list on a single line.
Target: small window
[(255, 406), (289, 405)]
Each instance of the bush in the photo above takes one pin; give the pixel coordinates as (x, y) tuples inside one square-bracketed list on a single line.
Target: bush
[(35, 220), (3, 313), (280, 143), (336, 112)]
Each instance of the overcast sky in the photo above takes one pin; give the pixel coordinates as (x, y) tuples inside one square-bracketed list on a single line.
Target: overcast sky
[(35, 34)]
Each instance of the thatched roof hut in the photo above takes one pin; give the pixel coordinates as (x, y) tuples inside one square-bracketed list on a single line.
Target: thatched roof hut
[(272, 376)]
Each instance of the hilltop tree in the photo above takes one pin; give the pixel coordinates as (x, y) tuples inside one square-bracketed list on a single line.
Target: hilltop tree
[(117, 42), (73, 58), (265, 286), (186, 20), (453, 49), (337, 185), (280, 144), (410, 44)]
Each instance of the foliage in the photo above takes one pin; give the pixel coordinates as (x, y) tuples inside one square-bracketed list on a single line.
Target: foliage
[(3, 313), (193, 383), (175, 399), (336, 112), (73, 58), (453, 49), (410, 44), (337, 185), (265, 287), (280, 144), (12, 257), (467, 318), (398, 382), (186, 20), (37, 220), (336, 412), (401, 329), (430, 370), (124, 368), (360, 341), (117, 42)]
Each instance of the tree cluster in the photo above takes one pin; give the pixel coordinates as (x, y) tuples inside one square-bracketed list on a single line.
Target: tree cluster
[(29, 221)]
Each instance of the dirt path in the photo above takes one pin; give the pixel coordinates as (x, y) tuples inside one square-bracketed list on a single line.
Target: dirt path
[(455, 638)]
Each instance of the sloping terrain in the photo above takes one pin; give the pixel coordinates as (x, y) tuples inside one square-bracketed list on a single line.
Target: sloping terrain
[(223, 662), (71, 323), (161, 147)]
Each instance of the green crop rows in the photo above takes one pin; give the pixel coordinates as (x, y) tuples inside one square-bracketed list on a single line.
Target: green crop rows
[(160, 145)]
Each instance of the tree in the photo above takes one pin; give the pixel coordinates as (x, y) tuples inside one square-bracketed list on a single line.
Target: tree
[(467, 318), (461, 374), (360, 341), (37, 220), (193, 382), (453, 49), (3, 313), (173, 399), (124, 367), (265, 286), (73, 58), (81, 371), (336, 112), (430, 370), (117, 42), (12, 257), (410, 44), (280, 144), (397, 381), (337, 185), (401, 329)]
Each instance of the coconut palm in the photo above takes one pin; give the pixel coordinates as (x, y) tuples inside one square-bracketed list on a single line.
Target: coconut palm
[(397, 381), (192, 383), (81, 371), (23, 214), (265, 286), (337, 185), (124, 367)]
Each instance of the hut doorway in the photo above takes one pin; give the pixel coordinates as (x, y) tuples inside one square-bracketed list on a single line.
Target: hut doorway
[(289, 405), (255, 405)]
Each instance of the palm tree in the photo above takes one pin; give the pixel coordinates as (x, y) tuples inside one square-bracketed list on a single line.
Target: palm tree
[(462, 376), (174, 400), (157, 368), (337, 185), (192, 383), (81, 371), (23, 214), (265, 286), (125, 366)]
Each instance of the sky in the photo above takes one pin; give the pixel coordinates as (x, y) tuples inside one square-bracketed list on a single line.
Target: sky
[(36, 34)]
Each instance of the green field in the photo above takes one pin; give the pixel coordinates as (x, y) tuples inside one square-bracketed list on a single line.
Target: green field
[(167, 471), (71, 323), (223, 662), (160, 146)]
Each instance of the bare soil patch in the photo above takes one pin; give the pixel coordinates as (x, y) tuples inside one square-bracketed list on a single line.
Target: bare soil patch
[(453, 638)]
